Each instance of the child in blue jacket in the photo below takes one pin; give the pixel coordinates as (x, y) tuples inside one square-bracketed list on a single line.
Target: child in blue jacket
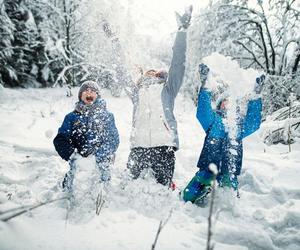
[(219, 148), (89, 129)]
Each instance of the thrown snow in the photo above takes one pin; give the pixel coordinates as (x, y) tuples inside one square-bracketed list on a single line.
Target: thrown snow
[(227, 80), (267, 216), (224, 70)]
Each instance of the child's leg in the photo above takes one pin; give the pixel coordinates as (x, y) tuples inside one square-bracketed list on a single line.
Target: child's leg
[(104, 169), (225, 180), (163, 164), (137, 162), (67, 183)]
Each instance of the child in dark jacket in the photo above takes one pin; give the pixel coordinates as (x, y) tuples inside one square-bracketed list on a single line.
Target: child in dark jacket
[(89, 129), (219, 148)]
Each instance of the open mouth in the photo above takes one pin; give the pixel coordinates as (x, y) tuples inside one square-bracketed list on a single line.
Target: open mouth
[(89, 98)]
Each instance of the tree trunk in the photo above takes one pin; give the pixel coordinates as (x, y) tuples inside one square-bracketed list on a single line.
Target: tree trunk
[(296, 63)]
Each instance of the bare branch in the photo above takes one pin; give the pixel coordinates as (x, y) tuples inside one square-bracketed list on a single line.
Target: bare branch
[(284, 53), (250, 51), (25, 209), (160, 227), (242, 58), (251, 40), (296, 63), (265, 22), (249, 65), (249, 10), (210, 246), (67, 68), (99, 202)]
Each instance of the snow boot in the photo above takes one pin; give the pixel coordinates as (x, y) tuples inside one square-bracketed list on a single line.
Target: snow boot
[(199, 187)]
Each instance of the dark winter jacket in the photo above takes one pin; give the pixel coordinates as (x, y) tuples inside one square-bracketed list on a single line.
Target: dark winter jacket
[(226, 153), (89, 129)]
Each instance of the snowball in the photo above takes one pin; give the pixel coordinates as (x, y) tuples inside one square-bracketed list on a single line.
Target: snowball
[(49, 133), (213, 168)]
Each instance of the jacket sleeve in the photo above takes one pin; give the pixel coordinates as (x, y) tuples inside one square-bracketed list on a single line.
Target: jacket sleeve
[(205, 114), (109, 141), (62, 142), (177, 68), (252, 120)]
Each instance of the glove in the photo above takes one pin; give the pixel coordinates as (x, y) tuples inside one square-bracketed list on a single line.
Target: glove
[(203, 73), (259, 84), (183, 21)]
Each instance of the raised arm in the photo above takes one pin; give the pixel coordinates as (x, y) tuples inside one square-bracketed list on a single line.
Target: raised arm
[(205, 114), (177, 68), (122, 75), (252, 120)]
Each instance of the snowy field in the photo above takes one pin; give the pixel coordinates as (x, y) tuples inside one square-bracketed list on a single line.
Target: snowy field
[(267, 216)]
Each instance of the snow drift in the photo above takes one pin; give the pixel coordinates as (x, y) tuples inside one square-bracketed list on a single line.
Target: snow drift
[(265, 217)]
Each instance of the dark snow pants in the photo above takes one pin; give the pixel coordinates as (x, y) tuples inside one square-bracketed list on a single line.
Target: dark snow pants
[(161, 160)]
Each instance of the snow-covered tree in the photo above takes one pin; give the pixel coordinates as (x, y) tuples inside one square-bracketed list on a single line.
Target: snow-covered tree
[(26, 50), (71, 30), (45, 41), (60, 29), (6, 50)]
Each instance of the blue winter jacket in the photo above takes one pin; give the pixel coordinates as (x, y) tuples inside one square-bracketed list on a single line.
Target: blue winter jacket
[(226, 154), (88, 131)]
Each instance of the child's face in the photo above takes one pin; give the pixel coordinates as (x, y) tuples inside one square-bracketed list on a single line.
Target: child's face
[(88, 96), (160, 75), (224, 104)]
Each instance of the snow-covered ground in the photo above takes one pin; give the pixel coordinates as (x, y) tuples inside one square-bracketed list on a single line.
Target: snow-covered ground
[(267, 216)]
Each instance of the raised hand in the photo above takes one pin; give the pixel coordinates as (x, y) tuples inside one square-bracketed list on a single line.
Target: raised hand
[(203, 73), (183, 21), (259, 83)]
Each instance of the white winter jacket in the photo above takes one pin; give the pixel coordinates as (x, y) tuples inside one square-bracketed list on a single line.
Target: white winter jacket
[(154, 123), (150, 127)]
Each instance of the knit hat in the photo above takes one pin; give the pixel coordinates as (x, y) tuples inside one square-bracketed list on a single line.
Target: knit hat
[(88, 85)]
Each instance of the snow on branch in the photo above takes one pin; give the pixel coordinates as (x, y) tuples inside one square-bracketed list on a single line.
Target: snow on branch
[(67, 68)]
